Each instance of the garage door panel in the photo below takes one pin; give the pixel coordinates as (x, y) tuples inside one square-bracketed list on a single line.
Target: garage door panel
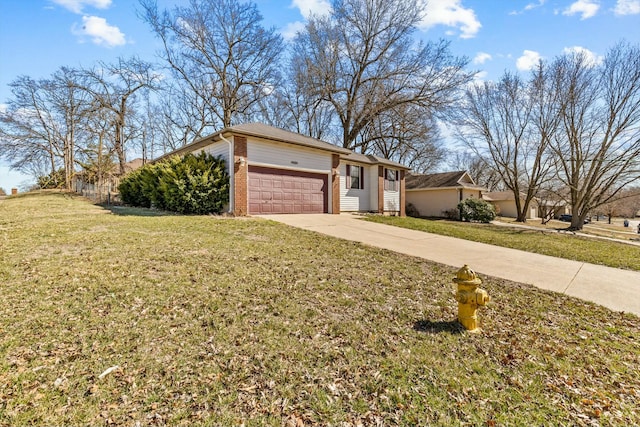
[(284, 191)]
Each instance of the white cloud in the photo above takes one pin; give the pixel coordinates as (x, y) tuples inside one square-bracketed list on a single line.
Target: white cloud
[(76, 6), (528, 60), (529, 7), (587, 8), (480, 77), (481, 58), (627, 7), (100, 31), (452, 14), (309, 7), (290, 30), (534, 5), (591, 58)]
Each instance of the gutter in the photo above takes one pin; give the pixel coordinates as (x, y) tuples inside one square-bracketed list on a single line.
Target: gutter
[(231, 174)]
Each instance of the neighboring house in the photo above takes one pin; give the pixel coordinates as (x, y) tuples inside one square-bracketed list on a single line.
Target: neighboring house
[(435, 195), (275, 171), (106, 188), (505, 204), (553, 204)]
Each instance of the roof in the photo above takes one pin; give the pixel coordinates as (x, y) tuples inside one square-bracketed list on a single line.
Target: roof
[(498, 196), (370, 159), (457, 179), (133, 164), (259, 130)]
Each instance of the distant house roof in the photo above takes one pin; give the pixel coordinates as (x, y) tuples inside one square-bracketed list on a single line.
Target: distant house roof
[(134, 164), (498, 196), (457, 179)]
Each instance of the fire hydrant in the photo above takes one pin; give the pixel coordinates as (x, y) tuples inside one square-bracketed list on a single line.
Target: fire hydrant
[(469, 297)]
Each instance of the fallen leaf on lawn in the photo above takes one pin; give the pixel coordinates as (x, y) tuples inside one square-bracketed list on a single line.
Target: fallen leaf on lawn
[(108, 371)]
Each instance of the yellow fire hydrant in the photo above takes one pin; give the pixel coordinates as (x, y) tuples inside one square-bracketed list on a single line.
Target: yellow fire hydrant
[(469, 297)]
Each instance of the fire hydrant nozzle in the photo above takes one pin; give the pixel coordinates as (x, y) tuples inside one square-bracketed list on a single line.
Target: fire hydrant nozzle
[(469, 297)]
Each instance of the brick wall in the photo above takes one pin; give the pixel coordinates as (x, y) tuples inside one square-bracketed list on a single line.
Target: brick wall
[(240, 176), (335, 183)]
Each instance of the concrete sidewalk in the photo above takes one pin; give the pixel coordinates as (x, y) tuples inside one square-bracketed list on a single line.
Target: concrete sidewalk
[(611, 287)]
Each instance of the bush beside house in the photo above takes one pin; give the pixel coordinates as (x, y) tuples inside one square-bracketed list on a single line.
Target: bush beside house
[(193, 184), (476, 210)]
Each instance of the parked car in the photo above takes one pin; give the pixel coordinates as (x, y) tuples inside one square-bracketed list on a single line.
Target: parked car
[(567, 218)]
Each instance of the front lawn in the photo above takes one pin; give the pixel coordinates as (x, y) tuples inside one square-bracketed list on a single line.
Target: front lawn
[(545, 242), (124, 319)]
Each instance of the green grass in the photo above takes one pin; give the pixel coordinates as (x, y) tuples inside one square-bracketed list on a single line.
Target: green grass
[(210, 321), (562, 245)]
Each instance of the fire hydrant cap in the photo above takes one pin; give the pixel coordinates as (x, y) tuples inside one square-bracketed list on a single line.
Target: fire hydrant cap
[(467, 276)]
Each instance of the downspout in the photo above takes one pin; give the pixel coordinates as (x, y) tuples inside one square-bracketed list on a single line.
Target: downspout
[(230, 164)]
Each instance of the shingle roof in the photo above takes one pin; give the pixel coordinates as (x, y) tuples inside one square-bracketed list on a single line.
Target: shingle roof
[(261, 130), (269, 132), (133, 164), (438, 180), (497, 196), (370, 159)]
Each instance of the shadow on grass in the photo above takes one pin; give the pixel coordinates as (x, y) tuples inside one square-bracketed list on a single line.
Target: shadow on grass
[(451, 327), (131, 211)]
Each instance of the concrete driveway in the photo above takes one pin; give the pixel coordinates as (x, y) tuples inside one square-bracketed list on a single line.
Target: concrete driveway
[(611, 287)]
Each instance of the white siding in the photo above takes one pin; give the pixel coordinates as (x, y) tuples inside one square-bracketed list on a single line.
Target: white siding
[(392, 201), (392, 198), (219, 149), (287, 156), (353, 199)]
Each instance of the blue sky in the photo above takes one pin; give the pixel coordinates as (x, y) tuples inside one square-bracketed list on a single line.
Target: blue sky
[(39, 36)]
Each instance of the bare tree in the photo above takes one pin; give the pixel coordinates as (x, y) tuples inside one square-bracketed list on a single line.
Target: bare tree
[(481, 173), (220, 51), (290, 108), (113, 87), (43, 125), (408, 135), (509, 124), (597, 149), (364, 61)]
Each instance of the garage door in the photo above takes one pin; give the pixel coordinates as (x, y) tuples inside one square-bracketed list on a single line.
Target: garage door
[(276, 191)]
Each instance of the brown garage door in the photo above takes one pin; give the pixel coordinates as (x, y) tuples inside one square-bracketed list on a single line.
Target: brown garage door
[(276, 191)]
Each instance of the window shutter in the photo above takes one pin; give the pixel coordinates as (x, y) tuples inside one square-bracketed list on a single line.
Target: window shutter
[(386, 180), (347, 178), (362, 177), (397, 184)]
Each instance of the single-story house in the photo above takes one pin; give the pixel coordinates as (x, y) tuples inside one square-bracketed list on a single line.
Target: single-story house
[(552, 204), (105, 189), (275, 171), (438, 194), (505, 204)]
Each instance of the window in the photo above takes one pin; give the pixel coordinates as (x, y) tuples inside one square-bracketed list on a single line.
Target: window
[(391, 180), (355, 177)]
